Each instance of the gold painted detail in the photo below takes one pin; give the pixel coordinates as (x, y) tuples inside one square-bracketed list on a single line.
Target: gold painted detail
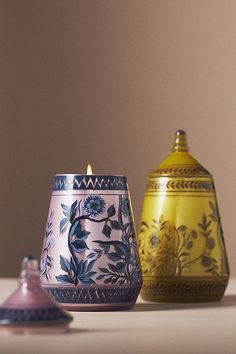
[(167, 250), (181, 171), (203, 287), (179, 185)]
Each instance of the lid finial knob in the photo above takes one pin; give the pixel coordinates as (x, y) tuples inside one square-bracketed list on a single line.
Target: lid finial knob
[(180, 141)]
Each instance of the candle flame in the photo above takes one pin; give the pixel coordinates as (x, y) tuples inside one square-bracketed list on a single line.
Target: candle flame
[(89, 169)]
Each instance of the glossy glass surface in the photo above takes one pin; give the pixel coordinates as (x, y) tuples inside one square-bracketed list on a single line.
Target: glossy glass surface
[(181, 242)]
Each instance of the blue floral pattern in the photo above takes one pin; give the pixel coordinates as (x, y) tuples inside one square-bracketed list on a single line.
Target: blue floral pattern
[(123, 265), (122, 256), (126, 207), (94, 205), (79, 272)]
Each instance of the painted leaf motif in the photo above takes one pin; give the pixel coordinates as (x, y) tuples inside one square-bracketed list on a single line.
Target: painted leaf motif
[(73, 211), (208, 224), (106, 249), (104, 270), (72, 265), (90, 265), (113, 256), (107, 230), (120, 265), (115, 225), (63, 225), (91, 255), (184, 254), (64, 279), (161, 219), (90, 274), (112, 267), (107, 280), (120, 220), (82, 235), (210, 242), (204, 219), (111, 211), (145, 225), (101, 276), (120, 249), (79, 245), (80, 268), (65, 207), (98, 252), (66, 213), (65, 265), (75, 228), (213, 217)]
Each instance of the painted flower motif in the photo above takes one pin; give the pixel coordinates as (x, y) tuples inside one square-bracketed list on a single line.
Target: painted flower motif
[(154, 240), (125, 207), (94, 205), (149, 242), (206, 261)]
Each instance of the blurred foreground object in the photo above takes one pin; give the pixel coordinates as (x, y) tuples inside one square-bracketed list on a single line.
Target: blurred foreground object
[(30, 309)]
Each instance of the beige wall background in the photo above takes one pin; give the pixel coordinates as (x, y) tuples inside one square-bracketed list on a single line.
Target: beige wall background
[(109, 82)]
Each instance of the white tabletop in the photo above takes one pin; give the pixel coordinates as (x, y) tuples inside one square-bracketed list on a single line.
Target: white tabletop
[(148, 328)]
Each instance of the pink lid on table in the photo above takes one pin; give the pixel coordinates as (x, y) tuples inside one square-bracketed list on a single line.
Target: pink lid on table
[(29, 305)]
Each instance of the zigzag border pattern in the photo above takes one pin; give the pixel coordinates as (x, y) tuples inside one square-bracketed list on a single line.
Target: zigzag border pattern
[(179, 185), (94, 295), (84, 182)]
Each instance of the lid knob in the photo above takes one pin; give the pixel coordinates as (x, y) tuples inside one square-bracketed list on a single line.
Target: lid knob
[(180, 141)]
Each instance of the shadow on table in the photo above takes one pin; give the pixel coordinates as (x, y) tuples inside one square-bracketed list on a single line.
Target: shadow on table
[(228, 301), (93, 330)]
